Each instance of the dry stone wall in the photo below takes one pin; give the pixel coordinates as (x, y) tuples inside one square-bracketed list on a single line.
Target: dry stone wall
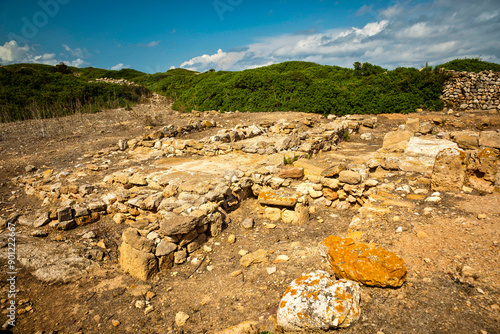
[(472, 91)]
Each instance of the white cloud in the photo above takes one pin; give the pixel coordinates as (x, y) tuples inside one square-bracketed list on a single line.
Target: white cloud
[(11, 53), (78, 52), (402, 35), (119, 66)]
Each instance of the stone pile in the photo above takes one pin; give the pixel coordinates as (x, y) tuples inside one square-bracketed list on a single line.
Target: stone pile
[(115, 81), (472, 91), (272, 138)]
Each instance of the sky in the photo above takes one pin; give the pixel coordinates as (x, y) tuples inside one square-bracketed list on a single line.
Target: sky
[(155, 36)]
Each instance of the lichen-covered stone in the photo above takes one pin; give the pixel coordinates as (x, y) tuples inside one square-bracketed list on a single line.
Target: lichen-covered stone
[(317, 302), (364, 263), (278, 198)]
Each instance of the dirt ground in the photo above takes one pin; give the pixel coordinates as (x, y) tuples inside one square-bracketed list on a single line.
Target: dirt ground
[(437, 297)]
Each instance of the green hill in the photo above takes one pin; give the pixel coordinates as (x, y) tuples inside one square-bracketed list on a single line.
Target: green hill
[(43, 91), (308, 87), (470, 65)]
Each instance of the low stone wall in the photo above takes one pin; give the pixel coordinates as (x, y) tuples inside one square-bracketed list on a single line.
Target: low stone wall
[(472, 91)]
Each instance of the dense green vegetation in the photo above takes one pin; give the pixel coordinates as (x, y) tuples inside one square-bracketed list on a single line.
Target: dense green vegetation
[(42, 91), (470, 65), (309, 87)]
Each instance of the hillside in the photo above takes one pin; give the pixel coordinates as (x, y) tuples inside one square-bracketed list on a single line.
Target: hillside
[(41, 91)]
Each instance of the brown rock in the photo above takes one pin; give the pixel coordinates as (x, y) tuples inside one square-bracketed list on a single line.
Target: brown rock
[(292, 173), (85, 220), (177, 224), (330, 194), (350, 177), (448, 173), (396, 141), (412, 125), (364, 263), (132, 237), (333, 171), (259, 256), (136, 263), (482, 169), (466, 140), (490, 139), (138, 179), (279, 198)]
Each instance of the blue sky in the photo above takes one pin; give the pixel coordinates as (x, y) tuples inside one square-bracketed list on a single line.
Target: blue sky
[(154, 36)]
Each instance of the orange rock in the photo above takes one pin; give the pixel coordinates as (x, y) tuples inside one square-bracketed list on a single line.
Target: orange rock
[(279, 198), (367, 264), (330, 194)]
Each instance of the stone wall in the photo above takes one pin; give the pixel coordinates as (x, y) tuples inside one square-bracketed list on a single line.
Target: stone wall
[(472, 91)]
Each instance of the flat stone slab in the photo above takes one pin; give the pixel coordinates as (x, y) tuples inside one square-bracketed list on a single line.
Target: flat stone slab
[(53, 262), (279, 198)]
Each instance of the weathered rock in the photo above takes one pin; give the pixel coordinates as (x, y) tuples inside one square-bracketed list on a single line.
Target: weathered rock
[(330, 183), (64, 214), (42, 220), (89, 219), (181, 318), (290, 217), (292, 173), (316, 302), (248, 223), (176, 224), (482, 169), (53, 262), (197, 243), (165, 248), (122, 145), (138, 179), (367, 136), (278, 198), (466, 140), (396, 141), (259, 256), (350, 177), (448, 173), (333, 171), (138, 264), (364, 263), (273, 214), (490, 139), (180, 256), (132, 237), (152, 202), (247, 327), (216, 222), (420, 154), (412, 125), (86, 189), (63, 225)]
